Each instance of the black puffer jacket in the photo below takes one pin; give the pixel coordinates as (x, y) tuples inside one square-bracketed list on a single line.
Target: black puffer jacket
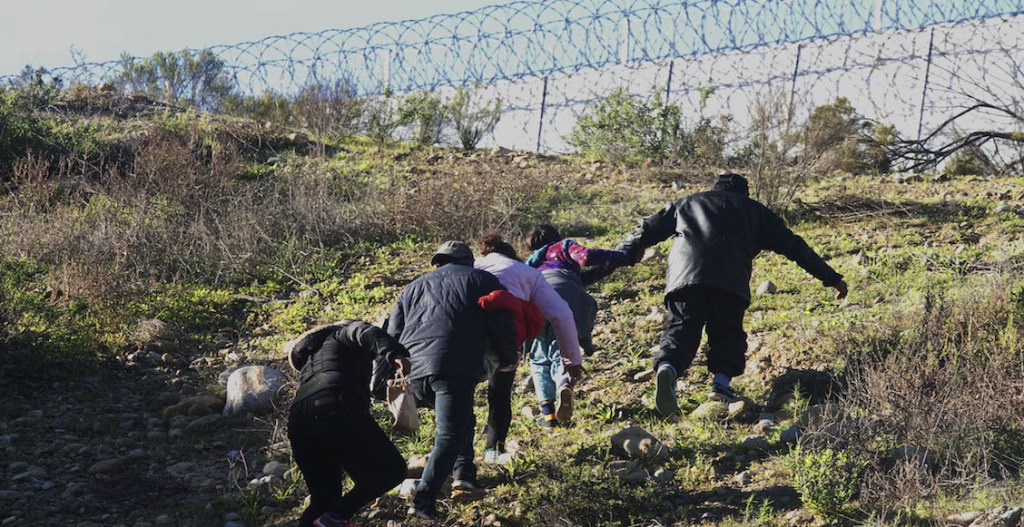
[(717, 235), (344, 361), (438, 320)]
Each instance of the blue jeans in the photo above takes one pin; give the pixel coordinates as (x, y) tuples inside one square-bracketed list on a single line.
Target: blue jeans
[(546, 364), (452, 399)]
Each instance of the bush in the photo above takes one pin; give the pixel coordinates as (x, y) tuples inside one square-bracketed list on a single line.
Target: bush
[(621, 127), (428, 114), (186, 77), (330, 111), (472, 119), (381, 119), (828, 480), (931, 404), (267, 107), (835, 139)]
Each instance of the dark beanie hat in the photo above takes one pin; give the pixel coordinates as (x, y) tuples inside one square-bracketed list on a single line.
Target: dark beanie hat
[(733, 183)]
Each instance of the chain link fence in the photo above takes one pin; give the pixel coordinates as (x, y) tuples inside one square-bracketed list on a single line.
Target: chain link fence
[(911, 63)]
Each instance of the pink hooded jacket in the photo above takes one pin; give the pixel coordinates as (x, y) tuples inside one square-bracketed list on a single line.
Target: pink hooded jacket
[(529, 284)]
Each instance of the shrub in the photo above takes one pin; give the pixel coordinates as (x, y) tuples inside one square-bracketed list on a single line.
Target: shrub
[(472, 119), (621, 127), (381, 119), (828, 480), (330, 111), (267, 107), (427, 113), (836, 139), (186, 77), (929, 403)]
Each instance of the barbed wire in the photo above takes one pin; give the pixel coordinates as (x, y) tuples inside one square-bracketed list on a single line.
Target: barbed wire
[(903, 59)]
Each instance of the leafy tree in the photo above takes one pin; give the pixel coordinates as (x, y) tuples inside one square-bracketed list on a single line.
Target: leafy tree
[(186, 77)]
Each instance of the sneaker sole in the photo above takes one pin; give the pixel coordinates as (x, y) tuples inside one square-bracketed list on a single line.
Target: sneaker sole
[(664, 393), (563, 404)]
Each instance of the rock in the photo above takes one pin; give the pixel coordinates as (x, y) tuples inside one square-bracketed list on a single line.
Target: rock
[(107, 466), (298, 139), (627, 471), (963, 519), (36, 414), (664, 475), (635, 442), (812, 417), (205, 421), (222, 378), (767, 288), (407, 490), (744, 478), (999, 517), (195, 406), (644, 376), (253, 389), (416, 465), (163, 519), (905, 178), (1003, 208), (180, 469), (763, 425), (711, 410), (756, 443), (16, 466), (790, 435), (31, 473), (529, 412), (656, 316), (742, 410), (275, 468)]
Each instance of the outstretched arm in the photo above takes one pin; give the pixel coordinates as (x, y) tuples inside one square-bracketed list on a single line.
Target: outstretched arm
[(372, 339), (780, 239), (654, 229)]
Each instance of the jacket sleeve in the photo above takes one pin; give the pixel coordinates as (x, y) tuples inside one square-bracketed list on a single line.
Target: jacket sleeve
[(778, 238), (396, 322), (372, 339), (500, 327), (557, 311), (654, 229), (586, 256)]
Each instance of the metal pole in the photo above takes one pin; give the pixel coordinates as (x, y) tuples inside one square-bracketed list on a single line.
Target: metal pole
[(387, 71), (796, 72), (543, 105), (878, 14), (624, 43), (924, 90), (668, 84)]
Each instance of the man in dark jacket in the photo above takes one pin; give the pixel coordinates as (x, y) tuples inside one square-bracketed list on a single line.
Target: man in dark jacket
[(447, 333), (717, 235), (330, 427)]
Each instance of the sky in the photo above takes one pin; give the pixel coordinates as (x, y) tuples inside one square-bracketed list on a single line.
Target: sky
[(43, 32)]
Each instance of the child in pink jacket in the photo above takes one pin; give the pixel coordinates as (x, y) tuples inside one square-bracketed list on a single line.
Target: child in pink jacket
[(528, 284)]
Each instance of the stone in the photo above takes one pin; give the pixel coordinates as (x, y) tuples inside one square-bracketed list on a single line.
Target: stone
[(275, 468), (107, 466), (407, 489), (744, 478), (644, 376), (656, 316), (963, 519), (635, 443), (663, 475), (415, 466), (743, 410), (36, 414), (767, 288), (711, 410), (197, 406), (999, 517), (1003, 208), (298, 138), (790, 435), (253, 389), (163, 519), (756, 443), (205, 421), (627, 471), (763, 425), (31, 473), (180, 469), (529, 412)]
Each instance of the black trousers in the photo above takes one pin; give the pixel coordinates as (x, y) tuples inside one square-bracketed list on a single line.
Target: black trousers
[(329, 440), (452, 399), (691, 311), (499, 408)]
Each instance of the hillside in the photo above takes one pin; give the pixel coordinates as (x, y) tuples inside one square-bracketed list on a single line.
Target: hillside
[(146, 252)]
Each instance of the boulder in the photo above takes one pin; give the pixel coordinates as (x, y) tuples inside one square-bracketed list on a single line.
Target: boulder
[(416, 465), (197, 406), (635, 443), (711, 410), (627, 471), (743, 410), (767, 288), (253, 389)]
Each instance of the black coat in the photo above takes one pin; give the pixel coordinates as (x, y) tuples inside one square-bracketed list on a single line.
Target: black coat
[(438, 320), (343, 363), (717, 235)]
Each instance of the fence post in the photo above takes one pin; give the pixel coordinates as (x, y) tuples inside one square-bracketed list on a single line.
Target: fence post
[(387, 71), (668, 83), (878, 15), (924, 90), (624, 42), (792, 85), (543, 105)]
